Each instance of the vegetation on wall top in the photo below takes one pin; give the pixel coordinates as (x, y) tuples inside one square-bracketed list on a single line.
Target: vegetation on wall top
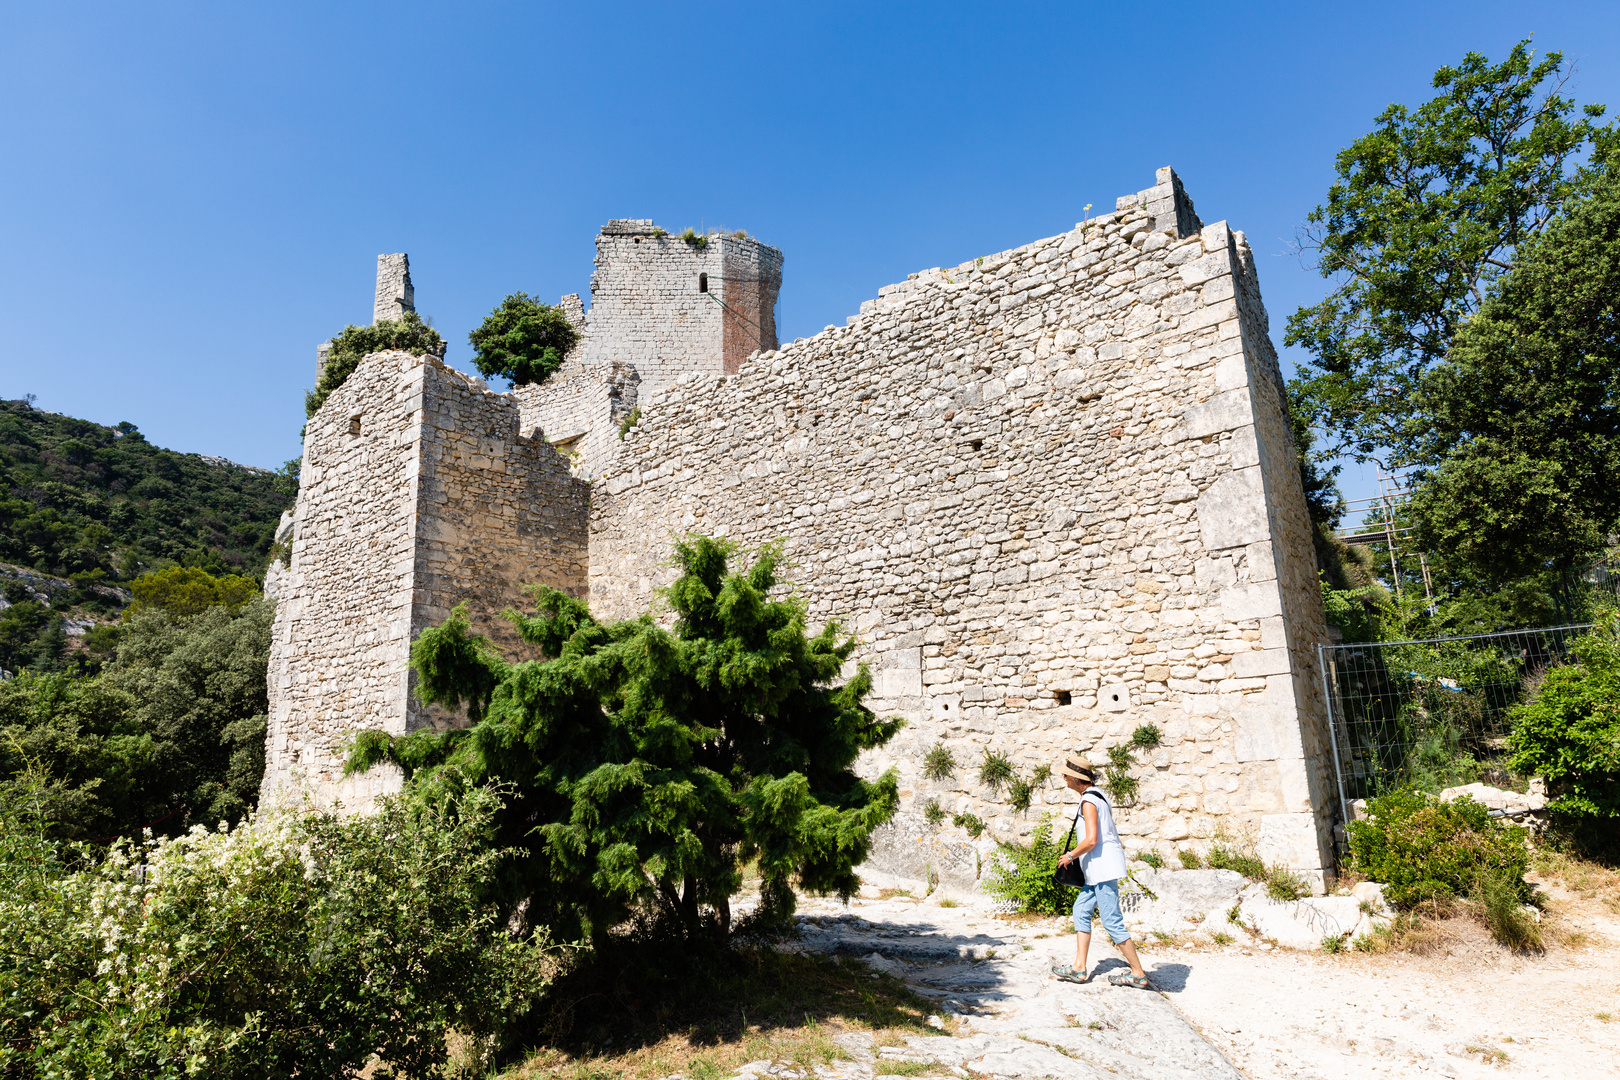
[(523, 340), (409, 334)]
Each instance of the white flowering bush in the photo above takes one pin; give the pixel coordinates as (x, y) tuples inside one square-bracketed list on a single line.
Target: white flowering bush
[(293, 944)]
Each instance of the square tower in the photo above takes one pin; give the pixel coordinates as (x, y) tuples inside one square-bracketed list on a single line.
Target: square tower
[(672, 305)]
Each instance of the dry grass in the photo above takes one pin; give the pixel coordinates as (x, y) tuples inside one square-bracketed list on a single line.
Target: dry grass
[(782, 1006), (1583, 878)]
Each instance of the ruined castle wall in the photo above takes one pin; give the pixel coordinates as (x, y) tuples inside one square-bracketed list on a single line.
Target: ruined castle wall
[(495, 511), (648, 307), (395, 295), (1034, 484), (580, 411), (417, 492), (341, 636)]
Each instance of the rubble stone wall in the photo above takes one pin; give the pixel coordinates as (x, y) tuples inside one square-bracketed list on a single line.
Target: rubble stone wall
[(417, 493), (1049, 490)]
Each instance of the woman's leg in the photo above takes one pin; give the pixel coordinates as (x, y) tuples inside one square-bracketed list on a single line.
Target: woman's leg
[(1113, 921), (1084, 904)]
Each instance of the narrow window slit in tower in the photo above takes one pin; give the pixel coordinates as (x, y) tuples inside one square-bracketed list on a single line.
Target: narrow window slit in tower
[(354, 425), (703, 283)]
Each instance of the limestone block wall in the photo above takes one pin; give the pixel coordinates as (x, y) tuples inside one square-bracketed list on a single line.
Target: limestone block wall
[(395, 294), (579, 411), (417, 492), (1047, 488), (649, 307)]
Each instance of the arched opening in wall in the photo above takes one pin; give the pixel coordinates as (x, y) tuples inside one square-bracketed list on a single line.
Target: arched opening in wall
[(703, 283)]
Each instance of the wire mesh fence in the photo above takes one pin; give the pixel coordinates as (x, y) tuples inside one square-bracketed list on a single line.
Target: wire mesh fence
[(1430, 713)]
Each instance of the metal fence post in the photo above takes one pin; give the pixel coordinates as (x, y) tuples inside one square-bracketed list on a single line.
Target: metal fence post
[(1333, 735)]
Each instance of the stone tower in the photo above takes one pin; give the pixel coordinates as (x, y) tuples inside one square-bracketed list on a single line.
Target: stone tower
[(672, 306), (395, 294)]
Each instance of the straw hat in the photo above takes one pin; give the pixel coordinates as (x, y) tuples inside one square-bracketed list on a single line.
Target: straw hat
[(1079, 767)]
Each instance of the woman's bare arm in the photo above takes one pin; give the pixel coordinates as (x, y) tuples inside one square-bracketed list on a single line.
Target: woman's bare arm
[(1088, 841)]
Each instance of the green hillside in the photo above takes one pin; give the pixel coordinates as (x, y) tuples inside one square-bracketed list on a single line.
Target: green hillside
[(96, 503)]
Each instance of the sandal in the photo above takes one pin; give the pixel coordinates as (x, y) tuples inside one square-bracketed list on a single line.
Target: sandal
[(1139, 982), (1068, 974)]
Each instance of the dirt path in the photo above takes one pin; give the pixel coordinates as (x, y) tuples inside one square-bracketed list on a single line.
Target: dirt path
[(1468, 1010)]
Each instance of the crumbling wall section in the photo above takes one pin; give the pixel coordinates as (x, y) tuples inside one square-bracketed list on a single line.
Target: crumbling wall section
[(342, 628), (395, 294), (495, 512), (580, 411), (1032, 484), (417, 492)]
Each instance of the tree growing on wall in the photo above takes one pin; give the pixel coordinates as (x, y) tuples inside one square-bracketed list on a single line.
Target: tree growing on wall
[(648, 765), (409, 334), (522, 340)]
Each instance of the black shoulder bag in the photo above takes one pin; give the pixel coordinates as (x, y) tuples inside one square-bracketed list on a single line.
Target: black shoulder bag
[(1072, 875)]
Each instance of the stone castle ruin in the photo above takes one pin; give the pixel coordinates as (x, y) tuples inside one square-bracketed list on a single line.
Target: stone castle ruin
[(1054, 490)]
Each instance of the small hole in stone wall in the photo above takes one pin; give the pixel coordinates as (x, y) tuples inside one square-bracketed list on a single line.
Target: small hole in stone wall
[(638, 239), (354, 425), (945, 707), (703, 283), (1114, 695), (978, 444), (1063, 697)]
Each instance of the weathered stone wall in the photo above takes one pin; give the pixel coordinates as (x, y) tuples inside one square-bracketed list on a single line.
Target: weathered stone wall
[(417, 492), (1048, 489), (395, 294), (648, 307), (579, 412)]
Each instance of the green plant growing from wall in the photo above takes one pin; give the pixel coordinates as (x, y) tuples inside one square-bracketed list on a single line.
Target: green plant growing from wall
[(630, 421), (409, 334), (1117, 778), (996, 771), (971, 824), (939, 763), (523, 340), (694, 238), (933, 812)]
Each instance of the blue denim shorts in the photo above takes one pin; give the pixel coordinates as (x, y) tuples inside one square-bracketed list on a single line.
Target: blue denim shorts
[(1103, 897)]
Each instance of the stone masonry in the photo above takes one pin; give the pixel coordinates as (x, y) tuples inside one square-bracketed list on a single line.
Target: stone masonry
[(1053, 490), (418, 493)]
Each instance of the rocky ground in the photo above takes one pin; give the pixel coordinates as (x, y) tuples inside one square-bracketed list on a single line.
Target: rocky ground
[(1467, 1009)]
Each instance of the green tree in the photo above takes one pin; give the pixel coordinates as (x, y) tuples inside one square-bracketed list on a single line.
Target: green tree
[(182, 591), (170, 735), (648, 765), (355, 343), (291, 945), (522, 340), (1568, 732), (1522, 419), (1427, 211)]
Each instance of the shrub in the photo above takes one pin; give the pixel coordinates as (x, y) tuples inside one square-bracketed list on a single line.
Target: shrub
[(524, 340), (1022, 874), (355, 343), (183, 591), (1422, 849), (933, 812), (649, 764), (1284, 884), (996, 771), (1019, 793), (1190, 859), (939, 763), (1569, 732), (1152, 858), (290, 945)]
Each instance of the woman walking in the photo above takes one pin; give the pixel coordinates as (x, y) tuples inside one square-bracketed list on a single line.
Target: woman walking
[(1102, 857)]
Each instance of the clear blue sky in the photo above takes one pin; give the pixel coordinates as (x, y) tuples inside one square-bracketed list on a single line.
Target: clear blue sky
[(193, 195)]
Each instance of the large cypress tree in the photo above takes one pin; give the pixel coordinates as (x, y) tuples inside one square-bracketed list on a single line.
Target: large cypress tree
[(646, 766)]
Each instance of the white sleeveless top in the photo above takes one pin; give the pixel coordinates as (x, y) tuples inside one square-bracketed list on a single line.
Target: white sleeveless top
[(1106, 860)]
